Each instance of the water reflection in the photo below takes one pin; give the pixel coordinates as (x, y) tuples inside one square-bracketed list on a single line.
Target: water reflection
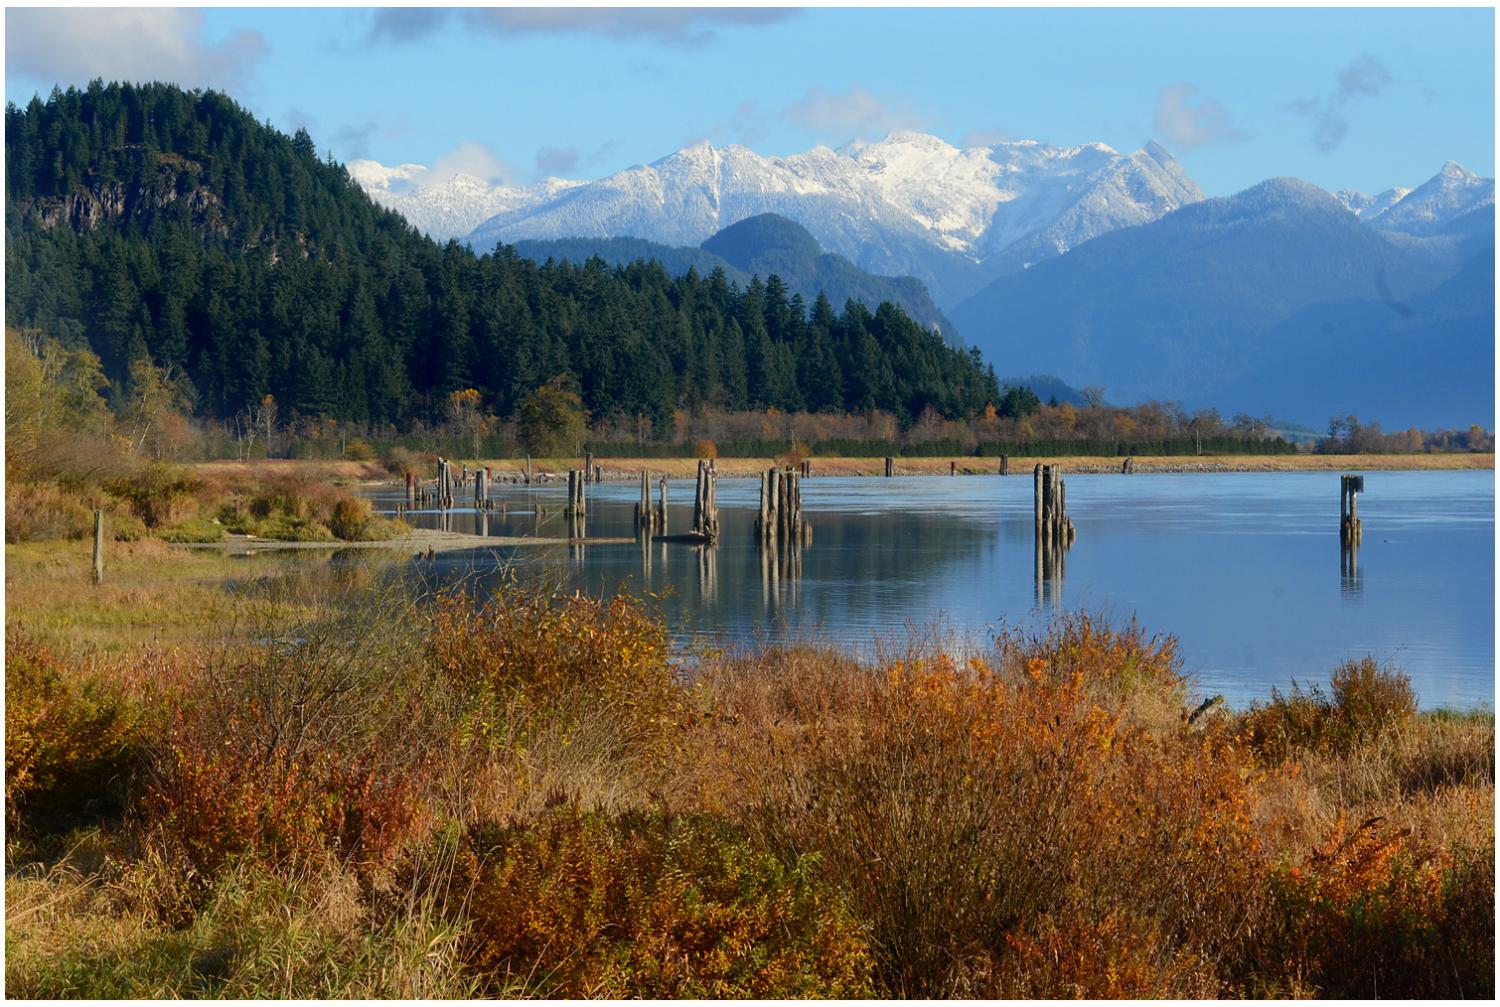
[(1232, 564), (1350, 579)]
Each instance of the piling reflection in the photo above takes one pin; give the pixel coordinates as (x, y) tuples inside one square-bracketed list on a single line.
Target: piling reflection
[(1351, 581)]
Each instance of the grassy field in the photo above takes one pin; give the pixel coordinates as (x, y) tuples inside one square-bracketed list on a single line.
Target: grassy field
[(277, 776)]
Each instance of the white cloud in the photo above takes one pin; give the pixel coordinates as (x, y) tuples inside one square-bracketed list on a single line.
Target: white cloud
[(1185, 120), (853, 114), (469, 157), (680, 25), (74, 45)]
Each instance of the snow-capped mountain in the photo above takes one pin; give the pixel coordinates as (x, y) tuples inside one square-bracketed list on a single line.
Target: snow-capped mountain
[(910, 204), (448, 209), (1434, 207), (1365, 206)]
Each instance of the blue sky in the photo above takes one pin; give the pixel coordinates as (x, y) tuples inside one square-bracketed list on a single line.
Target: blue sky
[(1361, 98)]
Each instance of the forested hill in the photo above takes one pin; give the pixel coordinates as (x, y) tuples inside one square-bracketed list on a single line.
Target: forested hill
[(152, 221)]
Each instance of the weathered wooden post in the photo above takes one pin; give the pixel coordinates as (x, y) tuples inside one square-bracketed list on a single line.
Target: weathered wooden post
[(98, 547), (1005, 465), (1350, 531), (643, 507), (761, 523), (411, 489), (1036, 487), (481, 488), (588, 466), (890, 466), (528, 470), (661, 512)]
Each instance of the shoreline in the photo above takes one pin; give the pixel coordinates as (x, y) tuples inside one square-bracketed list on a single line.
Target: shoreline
[(618, 469), (418, 540)]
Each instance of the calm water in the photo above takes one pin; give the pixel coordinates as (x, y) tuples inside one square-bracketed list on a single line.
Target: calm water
[(1244, 568)]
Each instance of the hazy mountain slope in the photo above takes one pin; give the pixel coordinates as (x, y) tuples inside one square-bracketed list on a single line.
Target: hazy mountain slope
[(1179, 308), (1428, 363), (763, 246)]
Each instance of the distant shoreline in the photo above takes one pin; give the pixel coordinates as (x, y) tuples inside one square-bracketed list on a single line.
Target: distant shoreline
[(617, 469)]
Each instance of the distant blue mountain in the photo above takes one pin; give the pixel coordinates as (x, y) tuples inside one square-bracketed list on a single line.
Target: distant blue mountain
[(761, 246), (1276, 300)]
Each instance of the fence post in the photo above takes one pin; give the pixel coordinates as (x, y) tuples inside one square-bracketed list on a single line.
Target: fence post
[(98, 547)]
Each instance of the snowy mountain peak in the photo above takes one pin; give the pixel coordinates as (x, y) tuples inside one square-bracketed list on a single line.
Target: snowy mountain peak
[(907, 204), (1437, 203)]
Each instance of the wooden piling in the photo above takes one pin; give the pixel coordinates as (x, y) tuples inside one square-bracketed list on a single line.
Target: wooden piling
[(953, 468), (98, 547), (890, 467), (661, 512), (1005, 465), (1350, 530), (588, 467), (528, 470)]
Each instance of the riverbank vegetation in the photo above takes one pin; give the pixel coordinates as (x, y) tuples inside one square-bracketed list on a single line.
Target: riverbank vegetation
[(332, 787), (69, 453)]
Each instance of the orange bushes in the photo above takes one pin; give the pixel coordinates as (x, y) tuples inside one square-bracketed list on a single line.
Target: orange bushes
[(571, 659), (973, 814), (652, 905), (1367, 701), (1379, 912), (332, 740), (70, 739)]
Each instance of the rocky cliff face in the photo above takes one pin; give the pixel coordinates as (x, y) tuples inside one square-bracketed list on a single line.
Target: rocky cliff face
[(96, 203)]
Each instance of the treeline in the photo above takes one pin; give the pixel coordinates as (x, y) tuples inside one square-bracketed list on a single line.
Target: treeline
[(149, 223), (1347, 435)]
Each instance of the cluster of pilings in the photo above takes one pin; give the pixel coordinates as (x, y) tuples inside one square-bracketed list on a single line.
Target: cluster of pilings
[(1054, 530), (780, 521), (576, 509), (890, 467), (1005, 465), (705, 504), (1053, 526), (1127, 467), (651, 520)]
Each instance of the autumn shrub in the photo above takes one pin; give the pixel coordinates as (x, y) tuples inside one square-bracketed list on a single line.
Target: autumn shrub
[(359, 450), (968, 811), (322, 736), (398, 461), (350, 517), (1116, 666), (39, 511), (1367, 701), (160, 494), (705, 448), (71, 739), (652, 905), (563, 670), (1378, 911)]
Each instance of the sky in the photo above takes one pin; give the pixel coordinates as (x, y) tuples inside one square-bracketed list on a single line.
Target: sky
[(1344, 98)]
